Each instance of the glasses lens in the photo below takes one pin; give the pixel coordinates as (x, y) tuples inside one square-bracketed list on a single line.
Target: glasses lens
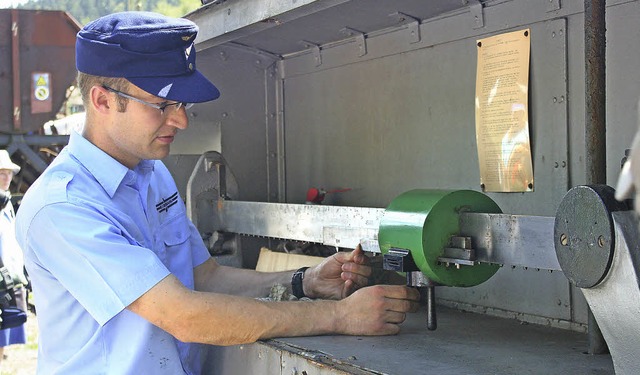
[(176, 105)]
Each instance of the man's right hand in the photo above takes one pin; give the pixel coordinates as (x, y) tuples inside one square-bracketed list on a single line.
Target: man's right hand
[(376, 310)]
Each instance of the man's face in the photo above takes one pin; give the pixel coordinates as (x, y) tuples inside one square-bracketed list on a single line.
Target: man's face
[(5, 178), (141, 131)]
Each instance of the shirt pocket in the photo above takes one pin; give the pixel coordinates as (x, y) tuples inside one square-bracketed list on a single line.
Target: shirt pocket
[(173, 238)]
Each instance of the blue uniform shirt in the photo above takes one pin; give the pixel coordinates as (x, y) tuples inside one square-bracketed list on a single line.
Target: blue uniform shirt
[(96, 236)]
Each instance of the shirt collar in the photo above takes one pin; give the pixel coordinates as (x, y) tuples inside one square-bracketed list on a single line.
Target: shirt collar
[(105, 169)]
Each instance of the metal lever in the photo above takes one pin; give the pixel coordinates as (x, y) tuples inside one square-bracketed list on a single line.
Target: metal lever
[(400, 260), (420, 281)]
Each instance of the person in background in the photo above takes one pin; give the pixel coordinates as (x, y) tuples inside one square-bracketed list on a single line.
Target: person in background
[(10, 252), (125, 284)]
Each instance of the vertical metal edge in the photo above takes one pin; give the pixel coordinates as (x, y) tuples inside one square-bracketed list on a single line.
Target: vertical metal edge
[(595, 91), (280, 132), (595, 119), (271, 130), (15, 67)]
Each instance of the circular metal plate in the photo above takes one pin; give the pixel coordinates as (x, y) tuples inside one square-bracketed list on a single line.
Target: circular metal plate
[(583, 233)]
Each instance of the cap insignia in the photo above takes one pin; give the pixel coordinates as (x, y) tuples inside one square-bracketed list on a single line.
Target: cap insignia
[(188, 37)]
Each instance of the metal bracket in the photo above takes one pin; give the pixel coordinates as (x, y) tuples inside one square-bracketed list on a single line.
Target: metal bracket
[(475, 7), (399, 260), (459, 252), (413, 25), (255, 50), (553, 5), (315, 49), (359, 38)]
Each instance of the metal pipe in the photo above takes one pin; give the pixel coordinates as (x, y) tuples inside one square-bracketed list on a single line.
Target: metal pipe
[(595, 91), (432, 322), (595, 120)]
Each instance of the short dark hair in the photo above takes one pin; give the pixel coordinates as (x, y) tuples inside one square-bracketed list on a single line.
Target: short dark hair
[(87, 81)]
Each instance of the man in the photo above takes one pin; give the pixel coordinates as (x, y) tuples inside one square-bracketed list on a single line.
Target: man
[(123, 286), (10, 252)]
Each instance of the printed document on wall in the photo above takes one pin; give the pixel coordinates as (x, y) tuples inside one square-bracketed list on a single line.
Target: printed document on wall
[(502, 113)]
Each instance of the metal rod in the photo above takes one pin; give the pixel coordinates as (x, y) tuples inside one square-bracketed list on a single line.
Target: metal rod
[(432, 323), (595, 91), (595, 120)]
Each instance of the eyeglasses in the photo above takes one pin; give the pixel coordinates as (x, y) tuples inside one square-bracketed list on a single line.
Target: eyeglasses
[(160, 106)]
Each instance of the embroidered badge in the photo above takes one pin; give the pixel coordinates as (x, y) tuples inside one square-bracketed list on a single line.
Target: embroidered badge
[(167, 202)]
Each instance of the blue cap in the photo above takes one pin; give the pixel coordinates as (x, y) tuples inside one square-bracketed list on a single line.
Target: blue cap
[(152, 51)]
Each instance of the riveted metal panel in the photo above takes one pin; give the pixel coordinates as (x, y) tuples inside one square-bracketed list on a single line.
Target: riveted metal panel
[(396, 122)]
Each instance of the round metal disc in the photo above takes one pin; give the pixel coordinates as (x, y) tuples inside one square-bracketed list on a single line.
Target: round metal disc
[(583, 233)]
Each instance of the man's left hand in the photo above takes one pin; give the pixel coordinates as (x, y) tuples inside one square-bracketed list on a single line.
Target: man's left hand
[(338, 275)]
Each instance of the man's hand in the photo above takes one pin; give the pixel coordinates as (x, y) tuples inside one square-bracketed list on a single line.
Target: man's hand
[(338, 276), (376, 310)]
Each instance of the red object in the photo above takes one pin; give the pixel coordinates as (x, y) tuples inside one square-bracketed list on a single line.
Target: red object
[(316, 196)]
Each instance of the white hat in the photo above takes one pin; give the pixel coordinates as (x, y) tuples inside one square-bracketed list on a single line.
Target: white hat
[(6, 163)]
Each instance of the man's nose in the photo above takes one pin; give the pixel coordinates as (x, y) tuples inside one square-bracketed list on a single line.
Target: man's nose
[(178, 118)]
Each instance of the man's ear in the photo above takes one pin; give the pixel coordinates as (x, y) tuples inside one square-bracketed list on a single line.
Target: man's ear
[(100, 99)]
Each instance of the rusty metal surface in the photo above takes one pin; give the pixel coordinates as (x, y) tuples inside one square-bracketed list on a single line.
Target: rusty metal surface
[(45, 43), (595, 91)]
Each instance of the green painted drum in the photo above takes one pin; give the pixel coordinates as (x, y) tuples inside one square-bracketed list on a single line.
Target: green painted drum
[(422, 221)]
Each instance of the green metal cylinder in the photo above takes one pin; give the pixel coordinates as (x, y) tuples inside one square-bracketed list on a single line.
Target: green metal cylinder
[(423, 221)]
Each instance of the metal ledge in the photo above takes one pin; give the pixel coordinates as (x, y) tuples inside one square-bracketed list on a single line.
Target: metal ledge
[(321, 22)]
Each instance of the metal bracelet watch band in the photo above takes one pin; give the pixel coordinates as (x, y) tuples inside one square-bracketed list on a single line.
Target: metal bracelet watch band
[(296, 282)]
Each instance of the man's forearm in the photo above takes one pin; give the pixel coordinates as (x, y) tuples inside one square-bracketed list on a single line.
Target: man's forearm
[(222, 319), (212, 277)]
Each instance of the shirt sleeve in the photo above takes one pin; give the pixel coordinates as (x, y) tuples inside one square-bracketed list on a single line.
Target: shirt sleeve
[(109, 269)]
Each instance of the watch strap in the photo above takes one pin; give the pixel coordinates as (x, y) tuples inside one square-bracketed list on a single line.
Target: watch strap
[(296, 282)]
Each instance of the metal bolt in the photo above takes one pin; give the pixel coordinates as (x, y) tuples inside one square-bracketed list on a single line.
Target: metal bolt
[(601, 241), (564, 240)]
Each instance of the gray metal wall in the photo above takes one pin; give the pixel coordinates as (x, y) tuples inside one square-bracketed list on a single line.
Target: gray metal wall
[(401, 116)]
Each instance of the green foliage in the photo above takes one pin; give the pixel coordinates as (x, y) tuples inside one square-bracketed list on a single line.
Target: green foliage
[(87, 10)]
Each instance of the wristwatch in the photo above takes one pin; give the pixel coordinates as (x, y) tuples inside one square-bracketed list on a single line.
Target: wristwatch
[(296, 282)]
